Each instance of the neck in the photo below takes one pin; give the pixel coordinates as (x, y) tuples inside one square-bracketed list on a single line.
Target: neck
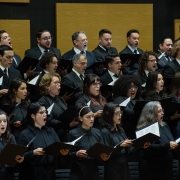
[(51, 94), (18, 100), (85, 127)]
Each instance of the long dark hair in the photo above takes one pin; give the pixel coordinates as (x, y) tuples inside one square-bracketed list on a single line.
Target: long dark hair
[(11, 96), (7, 135), (88, 81), (108, 114), (175, 84), (150, 89)]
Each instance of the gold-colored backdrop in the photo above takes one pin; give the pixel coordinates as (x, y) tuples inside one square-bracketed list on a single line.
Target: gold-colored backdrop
[(19, 31), (176, 29), (91, 18)]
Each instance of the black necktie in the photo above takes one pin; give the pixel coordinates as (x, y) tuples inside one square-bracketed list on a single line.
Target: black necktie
[(167, 57), (107, 50), (82, 52), (135, 51), (6, 76), (81, 77), (116, 75)]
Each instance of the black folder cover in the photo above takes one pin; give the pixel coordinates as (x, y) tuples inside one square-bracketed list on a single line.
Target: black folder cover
[(96, 150), (8, 154), (7, 108), (133, 57)]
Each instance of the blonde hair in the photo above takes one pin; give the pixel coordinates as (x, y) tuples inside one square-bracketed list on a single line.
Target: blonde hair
[(175, 49), (45, 82)]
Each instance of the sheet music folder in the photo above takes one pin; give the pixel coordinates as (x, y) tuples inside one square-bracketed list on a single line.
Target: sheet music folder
[(133, 57), (8, 154), (96, 150)]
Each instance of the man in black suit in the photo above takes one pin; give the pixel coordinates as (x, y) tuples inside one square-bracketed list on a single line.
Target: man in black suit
[(147, 63), (80, 43), (76, 77), (131, 48), (6, 40), (44, 41), (164, 52), (7, 73)]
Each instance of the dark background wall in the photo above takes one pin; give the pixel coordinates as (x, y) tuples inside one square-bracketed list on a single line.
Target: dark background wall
[(41, 14)]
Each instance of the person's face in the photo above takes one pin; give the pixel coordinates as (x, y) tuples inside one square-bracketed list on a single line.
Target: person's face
[(117, 116), (95, 88), (105, 40), (45, 40), (115, 66), (80, 65), (133, 40), (160, 83), (151, 63), (40, 117), (21, 93), (7, 59), (3, 124), (160, 114), (132, 90), (166, 46), (54, 87), (5, 40), (87, 120), (81, 42), (52, 66)]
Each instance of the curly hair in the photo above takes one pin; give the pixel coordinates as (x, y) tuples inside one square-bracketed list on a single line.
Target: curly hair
[(150, 89), (175, 49), (107, 116), (45, 82), (88, 81), (144, 59), (7, 135), (122, 85), (175, 83)]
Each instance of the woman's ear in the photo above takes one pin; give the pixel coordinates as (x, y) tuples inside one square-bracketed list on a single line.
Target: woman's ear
[(32, 116), (80, 118), (14, 91)]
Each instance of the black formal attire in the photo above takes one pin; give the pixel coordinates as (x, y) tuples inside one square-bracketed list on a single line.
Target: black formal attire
[(36, 53), (72, 80), (130, 116), (37, 167), (12, 74), (156, 160), (141, 76), (85, 99), (130, 70), (84, 168), (100, 53), (116, 167), (18, 60), (6, 172), (58, 108), (89, 55)]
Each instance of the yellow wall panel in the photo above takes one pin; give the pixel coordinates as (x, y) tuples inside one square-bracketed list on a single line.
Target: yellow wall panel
[(176, 28), (19, 31), (91, 18), (16, 1)]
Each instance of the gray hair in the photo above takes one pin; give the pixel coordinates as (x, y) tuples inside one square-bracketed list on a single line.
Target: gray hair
[(76, 57), (76, 34), (148, 114)]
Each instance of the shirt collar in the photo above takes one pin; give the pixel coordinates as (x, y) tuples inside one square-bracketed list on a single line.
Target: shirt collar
[(77, 73), (146, 72), (41, 49), (3, 68), (77, 51), (178, 61), (102, 47), (132, 49)]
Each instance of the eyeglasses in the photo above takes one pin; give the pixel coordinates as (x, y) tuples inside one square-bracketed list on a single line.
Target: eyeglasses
[(83, 40), (57, 82), (161, 111), (118, 113), (4, 121), (153, 60), (47, 38), (133, 88), (42, 112), (97, 84)]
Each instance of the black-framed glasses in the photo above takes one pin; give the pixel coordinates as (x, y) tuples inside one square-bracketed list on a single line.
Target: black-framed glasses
[(153, 60), (47, 38), (97, 84), (118, 113), (57, 82), (133, 88)]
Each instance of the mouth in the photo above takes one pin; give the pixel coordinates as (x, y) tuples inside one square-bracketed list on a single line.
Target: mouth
[(3, 129), (45, 120), (136, 44), (10, 44)]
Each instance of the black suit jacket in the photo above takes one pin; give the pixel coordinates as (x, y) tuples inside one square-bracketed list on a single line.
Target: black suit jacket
[(90, 56), (101, 53), (35, 53), (130, 70), (18, 60), (143, 78), (12, 73)]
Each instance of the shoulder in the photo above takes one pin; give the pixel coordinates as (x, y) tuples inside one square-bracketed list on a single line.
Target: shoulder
[(119, 99), (69, 54), (83, 99), (125, 50), (114, 50), (105, 131)]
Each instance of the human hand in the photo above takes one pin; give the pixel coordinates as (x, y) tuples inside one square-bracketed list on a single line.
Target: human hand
[(39, 152), (81, 153)]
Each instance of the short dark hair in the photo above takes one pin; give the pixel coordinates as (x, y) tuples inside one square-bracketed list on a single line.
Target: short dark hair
[(40, 32), (132, 31), (108, 114), (163, 39), (103, 31), (110, 58), (1, 32), (46, 59), (4, 48)]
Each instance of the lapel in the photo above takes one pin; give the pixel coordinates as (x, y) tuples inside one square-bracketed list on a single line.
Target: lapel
[(109, 78), (37, 52)]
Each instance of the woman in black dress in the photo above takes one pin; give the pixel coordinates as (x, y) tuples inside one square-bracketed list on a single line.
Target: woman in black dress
[(116, 167), (128, 86), (83, 167), (6, 172), (37, 165), (17, 96), (156, 160), (92, 94)]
